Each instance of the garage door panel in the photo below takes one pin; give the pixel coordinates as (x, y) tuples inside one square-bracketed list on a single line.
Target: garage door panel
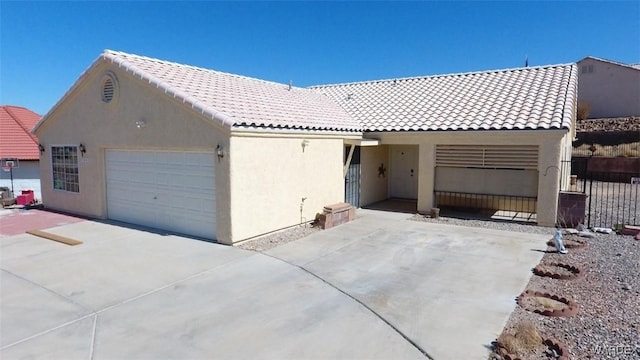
[(172, 191)]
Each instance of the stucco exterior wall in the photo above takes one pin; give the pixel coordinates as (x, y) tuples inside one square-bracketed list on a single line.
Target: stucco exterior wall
[(25, 177), (271, 175), (84, 118), (550, 150), (611, 90), (373, 186)]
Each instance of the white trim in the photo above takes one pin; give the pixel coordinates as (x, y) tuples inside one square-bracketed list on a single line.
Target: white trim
[(362, 142), (270, 132)]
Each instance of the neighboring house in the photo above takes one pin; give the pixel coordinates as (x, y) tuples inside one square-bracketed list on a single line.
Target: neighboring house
[(17, 142), (228, 157), (611, 89)]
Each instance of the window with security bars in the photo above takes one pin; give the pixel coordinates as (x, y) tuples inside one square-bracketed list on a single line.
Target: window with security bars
[(64, 161)]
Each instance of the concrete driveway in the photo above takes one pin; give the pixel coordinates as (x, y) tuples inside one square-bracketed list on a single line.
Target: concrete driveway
[(448, 289), (380, 287)]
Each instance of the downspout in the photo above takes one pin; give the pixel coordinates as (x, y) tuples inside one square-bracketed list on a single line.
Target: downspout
[(302, 219)]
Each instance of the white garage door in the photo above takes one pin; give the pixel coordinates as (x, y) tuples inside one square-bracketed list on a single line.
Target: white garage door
[(172, 191)]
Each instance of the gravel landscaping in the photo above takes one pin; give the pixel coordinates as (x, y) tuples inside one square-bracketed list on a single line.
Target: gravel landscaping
[(467, 219), (609, 124), (607, 325), (272, 240)]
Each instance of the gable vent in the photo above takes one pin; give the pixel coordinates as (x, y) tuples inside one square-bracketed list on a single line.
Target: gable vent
[(108, 89), (488, 156)]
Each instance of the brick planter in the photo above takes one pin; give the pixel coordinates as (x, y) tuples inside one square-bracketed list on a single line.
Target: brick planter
[(336, 214), (570, 309)]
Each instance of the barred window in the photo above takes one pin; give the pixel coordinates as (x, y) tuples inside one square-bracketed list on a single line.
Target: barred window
[(64, 161)]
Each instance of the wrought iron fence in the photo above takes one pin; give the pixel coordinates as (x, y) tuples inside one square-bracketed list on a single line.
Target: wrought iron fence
[(611, 199), (608, 182), (506, 207), (607, 163)]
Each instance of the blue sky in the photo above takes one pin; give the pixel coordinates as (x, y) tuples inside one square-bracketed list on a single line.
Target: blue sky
[(45, 46)]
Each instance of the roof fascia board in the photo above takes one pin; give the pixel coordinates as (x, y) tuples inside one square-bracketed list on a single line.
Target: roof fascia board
[(290, 133), (609, 62), (528, 132), (362, 142)]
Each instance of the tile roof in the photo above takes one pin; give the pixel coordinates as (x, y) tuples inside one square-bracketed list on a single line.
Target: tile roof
[(238, 101), (632, 66), (522, 98), (16, 141)]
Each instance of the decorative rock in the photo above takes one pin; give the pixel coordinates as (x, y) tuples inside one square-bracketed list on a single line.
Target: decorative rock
[(571, 231), (638, 236), (581, 227), (587, 234), (602, 230), (630, 230), (559, 349), (626, 286)]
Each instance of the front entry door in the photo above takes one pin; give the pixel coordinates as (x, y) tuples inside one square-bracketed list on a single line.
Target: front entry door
[(352, 179), (403, 177)]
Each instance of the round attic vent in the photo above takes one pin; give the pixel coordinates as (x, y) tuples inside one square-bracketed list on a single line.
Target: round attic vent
[(108, 88)]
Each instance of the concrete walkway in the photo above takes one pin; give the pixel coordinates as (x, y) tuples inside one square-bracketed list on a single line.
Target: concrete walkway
[(380, 287), (449, 289)]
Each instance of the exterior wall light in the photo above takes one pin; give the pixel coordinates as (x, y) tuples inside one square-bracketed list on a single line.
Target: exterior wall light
[(83, 150), (41, 148), (220, 152), (305, 143)]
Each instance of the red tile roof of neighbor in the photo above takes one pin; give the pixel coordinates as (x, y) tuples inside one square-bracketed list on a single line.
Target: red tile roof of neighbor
[(16, 141)]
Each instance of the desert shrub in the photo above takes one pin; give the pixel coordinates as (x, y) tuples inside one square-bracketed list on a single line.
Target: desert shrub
[(524, 339), (528, 335), (583, 110)]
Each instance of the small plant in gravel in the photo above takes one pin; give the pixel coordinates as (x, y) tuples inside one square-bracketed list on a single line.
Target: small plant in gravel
[(524, 340), (546, 303)]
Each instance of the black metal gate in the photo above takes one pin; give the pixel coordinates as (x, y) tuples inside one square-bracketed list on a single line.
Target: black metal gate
[(352, 179), (613, 196)]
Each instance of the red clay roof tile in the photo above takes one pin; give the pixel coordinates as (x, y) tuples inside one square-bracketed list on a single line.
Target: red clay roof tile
[(16, 140)]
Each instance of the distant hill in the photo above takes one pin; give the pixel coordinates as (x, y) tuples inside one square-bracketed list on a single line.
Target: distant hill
[(609, 124)]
